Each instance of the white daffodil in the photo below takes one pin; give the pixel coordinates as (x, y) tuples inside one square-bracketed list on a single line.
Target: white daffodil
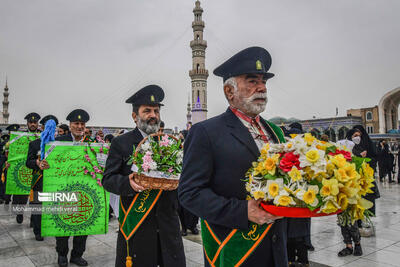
[(273, 187), (283, 199), (313, 158)]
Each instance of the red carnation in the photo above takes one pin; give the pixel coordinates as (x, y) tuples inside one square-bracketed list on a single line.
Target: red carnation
[(288, 161), (346, 154)]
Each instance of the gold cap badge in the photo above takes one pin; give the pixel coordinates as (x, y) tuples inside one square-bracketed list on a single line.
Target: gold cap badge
[(258, 65), (152, 98), (33, 117), (79, 117)]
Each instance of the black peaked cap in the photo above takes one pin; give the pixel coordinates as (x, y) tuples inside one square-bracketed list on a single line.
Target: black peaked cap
[(12, 127), (32, 117), (78, 115), (252, 60), (48, 117), (149, 95)]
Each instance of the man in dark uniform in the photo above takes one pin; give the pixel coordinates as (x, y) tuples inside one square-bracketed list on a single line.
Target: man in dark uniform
[(77, 119), (33, 162), (157, 241), (217, 154), (32, 123), (3, 160)]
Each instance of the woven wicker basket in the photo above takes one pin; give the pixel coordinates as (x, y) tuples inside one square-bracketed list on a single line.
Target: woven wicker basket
[(149, 182)]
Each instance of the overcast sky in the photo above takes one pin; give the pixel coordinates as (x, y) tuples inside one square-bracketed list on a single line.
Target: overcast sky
[(93, 54)]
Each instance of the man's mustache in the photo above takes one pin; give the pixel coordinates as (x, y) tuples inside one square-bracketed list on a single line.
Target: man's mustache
[(152, 120), (258, 96)]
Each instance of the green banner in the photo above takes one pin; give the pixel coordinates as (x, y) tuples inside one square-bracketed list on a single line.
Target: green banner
[(74, 202), (18, 175)]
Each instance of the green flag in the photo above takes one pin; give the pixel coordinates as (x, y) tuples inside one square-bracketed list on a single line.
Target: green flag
[(18, 175), (80, 206)]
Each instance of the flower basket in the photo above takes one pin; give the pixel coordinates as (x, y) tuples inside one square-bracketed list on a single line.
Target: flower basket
[(155, 179), (294, 212)]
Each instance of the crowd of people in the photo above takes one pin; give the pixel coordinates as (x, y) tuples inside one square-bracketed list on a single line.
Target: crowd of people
[(217, 154)]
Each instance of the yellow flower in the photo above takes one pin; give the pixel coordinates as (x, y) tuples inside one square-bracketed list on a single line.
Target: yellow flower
[(322, 146), (295, 174), (270, 164), (367, 170), (309, 173), (259, 169), (309, 139), (283, 199), (349, 189), (312, 156), (273, 187), (330, 206), (357, 211), (320, 176), (339, 160), (346, 173), (310, 196), (330, 167), (343, 201), (289, 145), (329, 187), (259, 195), (264, 151), (293, 135), (248, 187)]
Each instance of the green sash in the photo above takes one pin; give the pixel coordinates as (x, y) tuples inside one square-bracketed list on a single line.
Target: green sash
[(130, 219), (235, 248)]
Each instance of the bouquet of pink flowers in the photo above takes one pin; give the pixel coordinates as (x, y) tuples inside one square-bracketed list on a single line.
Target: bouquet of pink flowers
[(157, 157)]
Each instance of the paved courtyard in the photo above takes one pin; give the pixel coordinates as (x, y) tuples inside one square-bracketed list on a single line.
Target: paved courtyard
[(19, 248)]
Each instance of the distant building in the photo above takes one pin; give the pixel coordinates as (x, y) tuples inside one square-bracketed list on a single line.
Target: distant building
[(4, 115), (336, 127), (369, 117), (198, 74)]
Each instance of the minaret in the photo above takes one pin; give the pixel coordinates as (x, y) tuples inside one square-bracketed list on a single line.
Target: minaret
[(198, 74), (188, 114), (5, 104)]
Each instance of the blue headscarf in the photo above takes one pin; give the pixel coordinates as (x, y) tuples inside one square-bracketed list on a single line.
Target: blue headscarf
[(47, 136)]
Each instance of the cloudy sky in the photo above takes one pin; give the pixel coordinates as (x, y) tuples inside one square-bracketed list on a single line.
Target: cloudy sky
[(93, 54)]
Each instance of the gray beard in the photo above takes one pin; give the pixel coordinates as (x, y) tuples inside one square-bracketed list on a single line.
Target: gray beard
[(248, 106), (146, 127)]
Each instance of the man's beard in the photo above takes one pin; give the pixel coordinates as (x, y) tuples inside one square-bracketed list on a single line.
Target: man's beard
[(32, 128), (146, 127), (248, 106)]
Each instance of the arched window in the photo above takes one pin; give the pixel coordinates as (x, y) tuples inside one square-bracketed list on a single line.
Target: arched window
[(368, 116), (197, 67), (197, 37)]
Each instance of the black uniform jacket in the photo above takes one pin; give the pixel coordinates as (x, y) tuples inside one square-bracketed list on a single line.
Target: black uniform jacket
[(33, 150), (163, 219), (217, 154)]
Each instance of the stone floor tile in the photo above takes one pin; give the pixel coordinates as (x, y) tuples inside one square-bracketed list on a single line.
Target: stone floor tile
[(11, 252), (44, 258), (365, 262), (330, 258), (385, 256), (17, 261), (7, 241)]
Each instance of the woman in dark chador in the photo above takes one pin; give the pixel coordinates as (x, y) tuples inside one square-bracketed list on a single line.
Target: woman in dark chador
[(366, 149), (385, 161)]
